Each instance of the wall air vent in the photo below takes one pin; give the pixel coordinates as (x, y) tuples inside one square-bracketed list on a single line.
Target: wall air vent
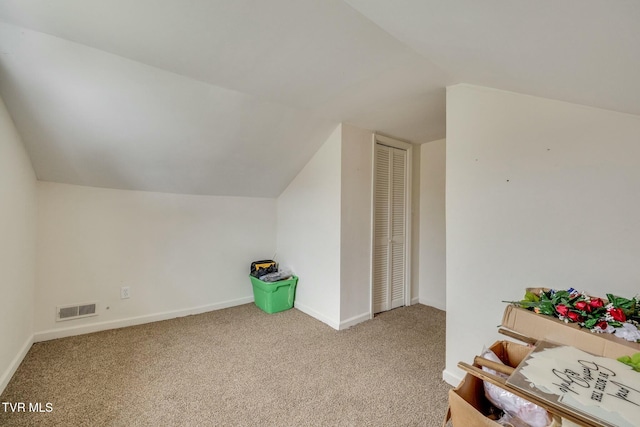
[(69, 312)]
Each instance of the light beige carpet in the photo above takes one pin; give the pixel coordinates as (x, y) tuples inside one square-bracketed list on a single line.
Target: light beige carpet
[(240, 367)]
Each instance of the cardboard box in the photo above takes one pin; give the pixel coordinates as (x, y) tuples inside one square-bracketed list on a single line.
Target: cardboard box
[(540, 326), (469, 406)]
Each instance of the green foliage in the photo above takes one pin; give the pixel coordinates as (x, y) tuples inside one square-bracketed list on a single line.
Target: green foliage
[(633, 361), (627, 305), (590, 323), (530, 296), (547, 307)]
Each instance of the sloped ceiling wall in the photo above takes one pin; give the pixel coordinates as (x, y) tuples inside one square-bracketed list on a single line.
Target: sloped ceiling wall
[(93, 118), (203, 97), (233, 97)]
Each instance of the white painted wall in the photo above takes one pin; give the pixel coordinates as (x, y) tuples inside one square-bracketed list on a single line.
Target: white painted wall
[(17, 248), (308, 236), (539, 192), (179, 254), (324, 229), (355, 226), (432, 265)]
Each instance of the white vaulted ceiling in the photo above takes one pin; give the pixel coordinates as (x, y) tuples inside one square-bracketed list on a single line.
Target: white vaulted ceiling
[(233, 97), (581, 51)]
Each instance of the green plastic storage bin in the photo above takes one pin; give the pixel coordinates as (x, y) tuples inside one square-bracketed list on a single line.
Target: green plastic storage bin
[(273, 297)]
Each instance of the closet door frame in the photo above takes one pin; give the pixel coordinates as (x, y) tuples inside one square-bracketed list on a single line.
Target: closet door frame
[(395, 143)]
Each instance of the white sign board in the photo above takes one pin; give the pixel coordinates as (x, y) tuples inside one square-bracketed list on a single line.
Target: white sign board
[(602, 389)]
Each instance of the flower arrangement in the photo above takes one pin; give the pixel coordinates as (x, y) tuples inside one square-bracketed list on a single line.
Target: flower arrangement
[(614, 315)]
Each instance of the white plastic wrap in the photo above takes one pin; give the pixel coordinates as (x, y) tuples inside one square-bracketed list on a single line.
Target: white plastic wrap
[(283, 274), (515, 406), (628, 332)]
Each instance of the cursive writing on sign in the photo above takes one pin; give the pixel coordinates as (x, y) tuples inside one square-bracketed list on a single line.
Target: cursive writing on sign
[(597, 380), (602, 388)]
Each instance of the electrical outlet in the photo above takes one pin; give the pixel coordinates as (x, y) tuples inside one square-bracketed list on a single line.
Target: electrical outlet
[(124, 292)]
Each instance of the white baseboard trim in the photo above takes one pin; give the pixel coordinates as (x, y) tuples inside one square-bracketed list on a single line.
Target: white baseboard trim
[(137, 320), (415, 301), (452, 378), (316, 315), (352, 321), (440, 305), (13, 366)]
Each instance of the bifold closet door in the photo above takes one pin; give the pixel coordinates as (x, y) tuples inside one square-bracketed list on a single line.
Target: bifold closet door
[(389, 251)]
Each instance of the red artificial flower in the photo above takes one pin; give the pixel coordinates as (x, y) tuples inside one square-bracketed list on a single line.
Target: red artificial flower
[(596, 303), (617, 314), (574, 316), (602, 325), (583, 306), (562, 310)]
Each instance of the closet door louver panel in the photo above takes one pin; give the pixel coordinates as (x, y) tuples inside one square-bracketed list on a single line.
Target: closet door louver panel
[(398, 194), (381, 229), (389, 228)]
